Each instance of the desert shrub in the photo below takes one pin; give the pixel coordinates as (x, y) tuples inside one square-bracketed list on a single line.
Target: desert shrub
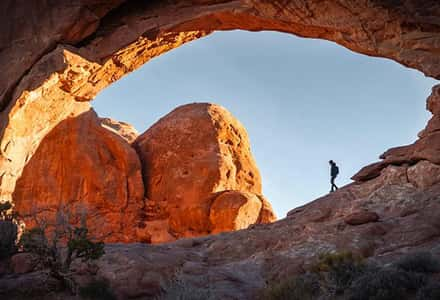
[(338, 270), (303, 287), (429, 292), (97, 290), (344, 275), (422, 262), (8, 230), (34, 240), (386, 284), (80, 246), (65, 244)]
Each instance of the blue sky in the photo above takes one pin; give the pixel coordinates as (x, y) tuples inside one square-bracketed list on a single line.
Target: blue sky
[(303, 102)]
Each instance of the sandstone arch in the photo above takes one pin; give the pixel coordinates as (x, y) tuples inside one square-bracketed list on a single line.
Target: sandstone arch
[(56, 55)]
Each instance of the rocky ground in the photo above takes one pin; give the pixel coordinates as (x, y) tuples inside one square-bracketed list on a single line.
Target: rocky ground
[(380, 219), (58, 55)]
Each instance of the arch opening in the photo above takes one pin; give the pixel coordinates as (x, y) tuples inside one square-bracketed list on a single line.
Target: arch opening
[(63, 67), (302, 101)]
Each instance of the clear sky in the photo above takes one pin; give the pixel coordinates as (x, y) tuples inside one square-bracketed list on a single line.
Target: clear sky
[(302, 101)]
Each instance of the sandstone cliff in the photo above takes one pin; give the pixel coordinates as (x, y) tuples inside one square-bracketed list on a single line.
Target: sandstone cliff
[(196, 165), (84, 170), (62, 52)]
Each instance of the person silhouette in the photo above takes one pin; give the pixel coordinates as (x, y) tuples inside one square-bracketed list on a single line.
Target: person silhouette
[(334, 171)]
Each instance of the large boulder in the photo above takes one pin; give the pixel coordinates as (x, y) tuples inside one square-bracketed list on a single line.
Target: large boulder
[(24, 263), (82, 170), (190, 155), (233, 210)]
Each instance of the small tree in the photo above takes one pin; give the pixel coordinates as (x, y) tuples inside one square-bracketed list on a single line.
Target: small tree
[(8, 230), (65, 244)]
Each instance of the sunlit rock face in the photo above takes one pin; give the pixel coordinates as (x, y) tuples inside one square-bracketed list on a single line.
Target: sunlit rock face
[(426, 148), (62, 51), (54, 53), (125, 130), (188, 157), (199, 173), (83, 170)]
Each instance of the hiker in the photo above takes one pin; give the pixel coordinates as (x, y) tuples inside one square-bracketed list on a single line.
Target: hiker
[(334, 171)]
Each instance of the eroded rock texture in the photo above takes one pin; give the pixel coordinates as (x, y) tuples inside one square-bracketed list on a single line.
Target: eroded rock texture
[(125, 130), (188, 158), (56, 53), (380, 219), (83, 170), (426, 148), (53, 53), (390, 215)]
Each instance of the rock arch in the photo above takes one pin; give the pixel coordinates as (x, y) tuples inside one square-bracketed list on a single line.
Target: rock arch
[(57, 55)]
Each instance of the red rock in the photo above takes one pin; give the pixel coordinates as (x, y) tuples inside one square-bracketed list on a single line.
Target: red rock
[(433, 101), (234, 210), (23, 263), (83, 168), (188, 156), (60, 53), (427, 147), (124, 130), (424, 174), (369, 172), (237, 264), (361, 217), (267, 214)]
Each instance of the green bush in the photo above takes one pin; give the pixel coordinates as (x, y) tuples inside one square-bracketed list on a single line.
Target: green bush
[(338, 270), (429, 292), (97, 290), (303, 287), (344, 275), (53, 255), (34, 240), (80, 246), (386, 284), (421, 262)]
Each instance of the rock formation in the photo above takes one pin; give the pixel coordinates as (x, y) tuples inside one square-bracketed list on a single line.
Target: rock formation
[(197, 167), (55, 54), (381, 219), (426, 148), (64, 52), (394, 217), (190, 156), (83, 170), (125, 130)]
